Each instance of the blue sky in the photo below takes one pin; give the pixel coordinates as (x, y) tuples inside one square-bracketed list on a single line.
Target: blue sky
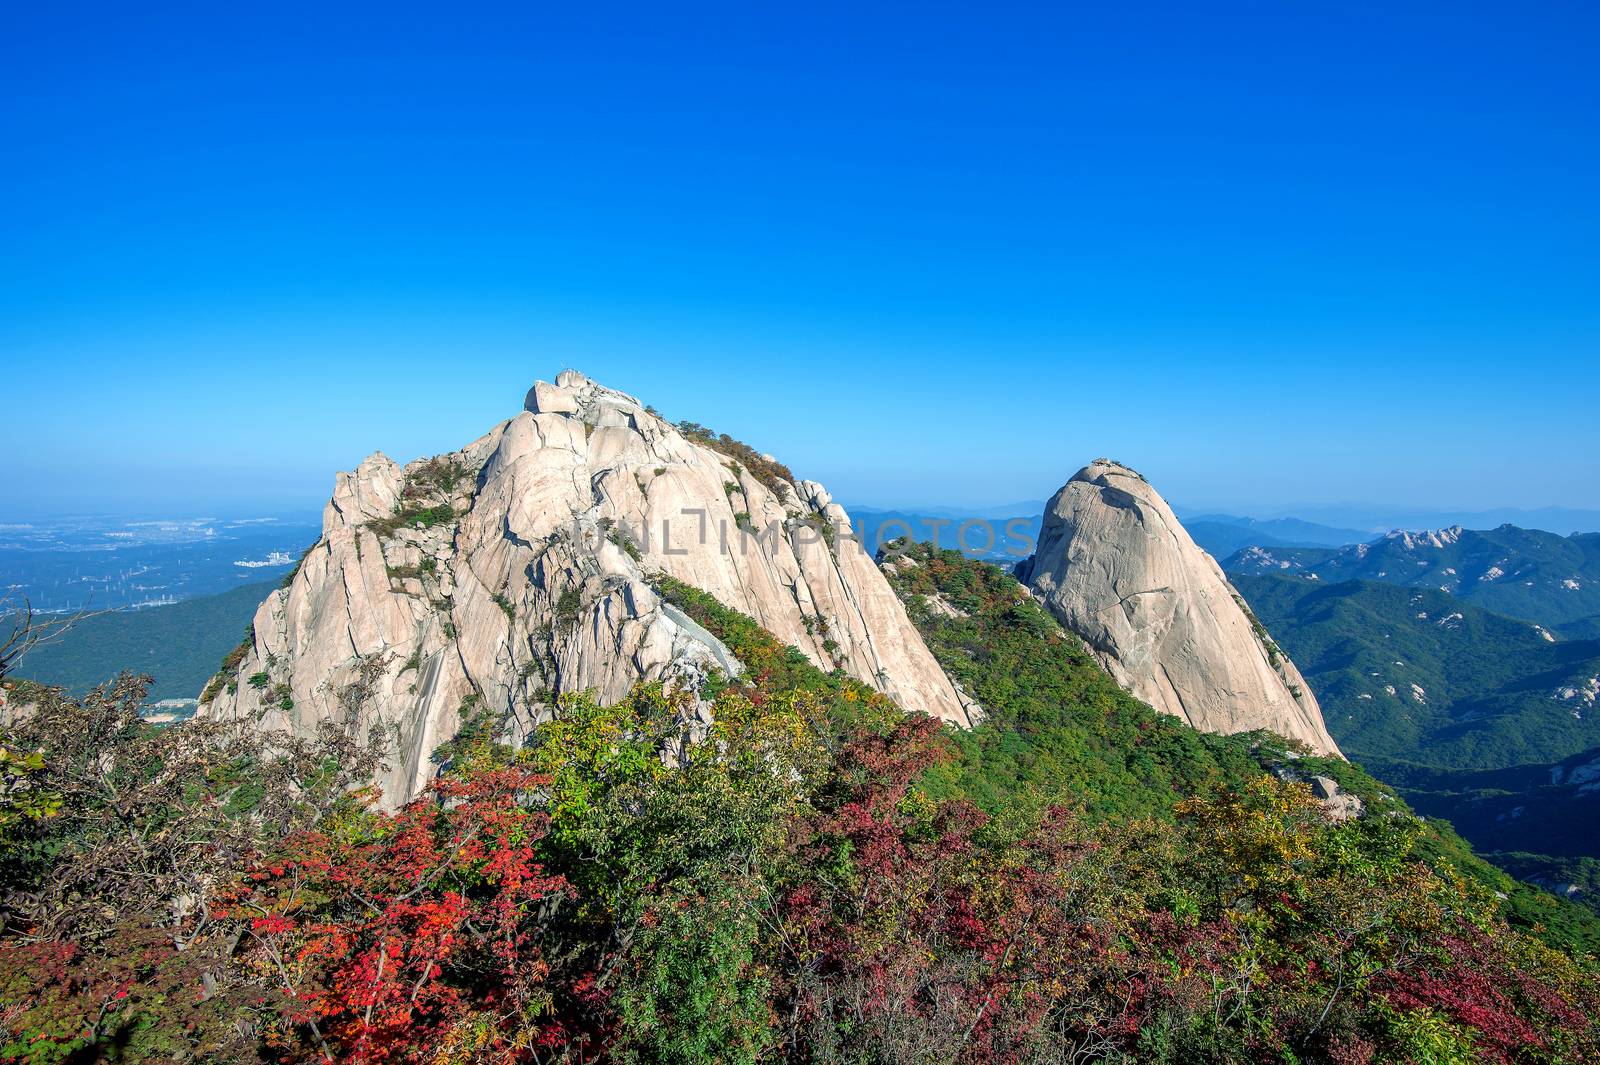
[(1270, 254)]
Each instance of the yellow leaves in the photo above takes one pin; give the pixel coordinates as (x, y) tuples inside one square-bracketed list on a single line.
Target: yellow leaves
[(1261, 838), (916, 806), (784, 734), (20, 796), (1426, 1037)]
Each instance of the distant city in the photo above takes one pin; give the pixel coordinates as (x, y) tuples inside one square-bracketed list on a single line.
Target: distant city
[(96, 563)]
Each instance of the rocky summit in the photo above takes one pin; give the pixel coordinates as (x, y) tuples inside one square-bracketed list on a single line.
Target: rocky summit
[(524, 565), (1116, 566)]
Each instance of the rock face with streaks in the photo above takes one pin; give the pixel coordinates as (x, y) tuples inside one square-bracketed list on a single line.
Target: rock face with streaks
[(1115, 566), (521, 567)]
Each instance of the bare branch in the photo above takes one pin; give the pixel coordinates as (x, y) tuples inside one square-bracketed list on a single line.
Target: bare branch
[(22, 628)]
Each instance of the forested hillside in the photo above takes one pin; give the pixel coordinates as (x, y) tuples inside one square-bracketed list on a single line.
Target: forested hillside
[(821, 878), (178, 645), (1061, 730), (1418, 675), (1498, 734)]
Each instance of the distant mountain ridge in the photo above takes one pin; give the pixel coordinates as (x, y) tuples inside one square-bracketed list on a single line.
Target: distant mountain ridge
[(1381, 517), (1527, 573), (1243, 531)]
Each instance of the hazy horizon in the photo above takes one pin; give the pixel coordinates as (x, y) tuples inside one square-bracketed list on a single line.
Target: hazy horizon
[(1369, 515)]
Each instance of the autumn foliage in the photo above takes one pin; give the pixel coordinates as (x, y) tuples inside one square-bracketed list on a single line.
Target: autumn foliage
[(400, 938), (784, 888)]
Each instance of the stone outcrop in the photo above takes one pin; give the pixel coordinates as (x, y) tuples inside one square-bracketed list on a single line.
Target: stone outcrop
[(1115, 566), (1340, 805), (1437, 538), (521, 567)]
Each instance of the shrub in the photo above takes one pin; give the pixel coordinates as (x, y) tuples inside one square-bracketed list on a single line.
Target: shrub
[(619, 536), (227, 673), (437, 476), (769, 472), (569, 606), (423, 942), (117, 841), (412, 516)]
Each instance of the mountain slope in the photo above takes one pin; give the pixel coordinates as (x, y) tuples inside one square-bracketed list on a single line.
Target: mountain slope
[(1535, 821), (810, 885), (1061, 727), (1548, 809), (1060, 730), (1526, 573), (1498, 734), (523, 566), (1415, 674)]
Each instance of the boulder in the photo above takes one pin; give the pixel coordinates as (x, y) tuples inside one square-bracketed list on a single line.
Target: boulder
[(545, 398)]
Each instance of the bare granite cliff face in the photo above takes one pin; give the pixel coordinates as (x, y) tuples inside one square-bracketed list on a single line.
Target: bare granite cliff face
[(520, 567), (1116, 566)]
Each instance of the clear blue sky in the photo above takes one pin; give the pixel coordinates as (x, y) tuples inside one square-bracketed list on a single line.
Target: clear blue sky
[(1268, 253)]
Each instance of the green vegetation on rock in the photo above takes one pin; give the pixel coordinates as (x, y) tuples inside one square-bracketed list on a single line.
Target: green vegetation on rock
[(769, 472)]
